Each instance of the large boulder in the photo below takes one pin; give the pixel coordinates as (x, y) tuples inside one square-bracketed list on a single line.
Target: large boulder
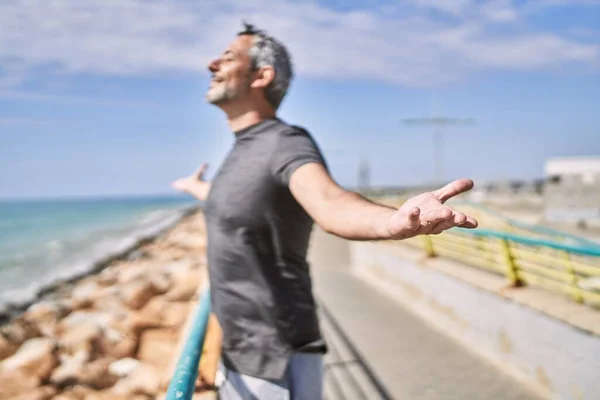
[(40, 393), (159, 312), (77, 392), (175, 313), (7, 348), (111, 303), (19, 330), (126, 347), (144, 379), (84, 294), (131, 273), (123, 367), (188, 241), (45, 316), (137, 293), (185, 285), (68, 372), (69, 395), (110, 324), (96, 374), (93, 374), (83, 317), (108, 394), (82, 338), (161, 282), (43, 310), (178, 270), (15, 383), (36, 358), (108, 276), (157, 347)]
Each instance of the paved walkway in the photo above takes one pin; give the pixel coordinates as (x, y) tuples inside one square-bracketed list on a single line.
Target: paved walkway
[(407, 357)]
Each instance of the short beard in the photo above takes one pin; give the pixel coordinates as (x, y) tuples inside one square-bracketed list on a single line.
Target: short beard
[(225, 94), (222, 95)]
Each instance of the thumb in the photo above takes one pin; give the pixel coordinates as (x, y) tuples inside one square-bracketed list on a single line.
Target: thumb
[(414, 221), (199, 174)]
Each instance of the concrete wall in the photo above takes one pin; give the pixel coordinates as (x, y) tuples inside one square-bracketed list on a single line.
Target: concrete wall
[(573, 189), (559, 360), (573, 199)]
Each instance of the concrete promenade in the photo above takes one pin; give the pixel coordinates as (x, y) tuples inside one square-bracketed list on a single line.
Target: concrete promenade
[(406, 357)]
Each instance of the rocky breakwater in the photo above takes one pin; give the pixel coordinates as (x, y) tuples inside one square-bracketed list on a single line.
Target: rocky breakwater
[(113, 335)]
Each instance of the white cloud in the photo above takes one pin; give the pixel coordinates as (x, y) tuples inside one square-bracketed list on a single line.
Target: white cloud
[(454, 7), (66, 99), (567, 2), (152, 37), (499, 11)]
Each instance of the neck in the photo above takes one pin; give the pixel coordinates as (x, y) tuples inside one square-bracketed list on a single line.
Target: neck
[(243, 118)]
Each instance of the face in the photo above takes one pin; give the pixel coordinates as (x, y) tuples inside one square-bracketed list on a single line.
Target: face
[(230, 73)]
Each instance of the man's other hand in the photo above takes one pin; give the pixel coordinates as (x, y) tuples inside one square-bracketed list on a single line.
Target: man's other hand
[(194, 184), (187, 183)]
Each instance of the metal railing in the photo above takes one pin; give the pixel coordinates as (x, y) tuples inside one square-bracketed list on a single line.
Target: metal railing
[(490, 218), (536, 256), (504, 223), (184, 378), (566, 269), (527, 254)]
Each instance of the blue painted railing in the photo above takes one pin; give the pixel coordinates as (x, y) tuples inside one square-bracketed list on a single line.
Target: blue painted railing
[(574, 249), (533, 228), (184, 378)]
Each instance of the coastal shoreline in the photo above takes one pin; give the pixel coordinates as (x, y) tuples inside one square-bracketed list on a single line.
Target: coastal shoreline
[(46, 291), (110, 333)]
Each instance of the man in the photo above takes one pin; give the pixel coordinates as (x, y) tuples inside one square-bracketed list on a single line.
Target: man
[(260, 209)]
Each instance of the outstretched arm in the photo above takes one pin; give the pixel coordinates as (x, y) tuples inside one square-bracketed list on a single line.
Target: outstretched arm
[(349, 215), (194, 184)]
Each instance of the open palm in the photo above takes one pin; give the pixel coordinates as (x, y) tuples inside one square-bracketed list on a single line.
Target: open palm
[(426, 214), (186, 184)]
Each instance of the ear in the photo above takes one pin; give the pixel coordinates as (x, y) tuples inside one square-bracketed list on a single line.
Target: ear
[(264, 77)]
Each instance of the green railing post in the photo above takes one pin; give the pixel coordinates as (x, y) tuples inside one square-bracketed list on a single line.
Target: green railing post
[(511, 266), (184, 378), (574, 278)]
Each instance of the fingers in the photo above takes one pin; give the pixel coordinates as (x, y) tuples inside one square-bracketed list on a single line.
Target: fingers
[(446, 218), (204, 383), (471, 223), (434, 217), (204, 387), (201, 170), (453, 189), (433, 221), (464, 221), (459, 218), (442, 226)]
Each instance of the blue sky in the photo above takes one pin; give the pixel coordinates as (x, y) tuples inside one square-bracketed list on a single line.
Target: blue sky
[(107, 98)]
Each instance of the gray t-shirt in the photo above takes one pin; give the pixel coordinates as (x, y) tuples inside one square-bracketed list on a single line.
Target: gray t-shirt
[(258, 237)]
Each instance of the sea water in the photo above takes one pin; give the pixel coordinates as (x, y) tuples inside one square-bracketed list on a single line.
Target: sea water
[(45, 242)]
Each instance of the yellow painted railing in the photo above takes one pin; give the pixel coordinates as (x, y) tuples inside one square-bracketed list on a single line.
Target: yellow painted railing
[(491, 219), (566, 269)]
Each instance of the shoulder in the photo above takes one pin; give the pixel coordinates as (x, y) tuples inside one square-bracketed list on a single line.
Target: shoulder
[(293, 132)]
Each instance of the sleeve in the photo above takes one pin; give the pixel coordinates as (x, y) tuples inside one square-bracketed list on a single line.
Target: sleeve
[(295, 148)]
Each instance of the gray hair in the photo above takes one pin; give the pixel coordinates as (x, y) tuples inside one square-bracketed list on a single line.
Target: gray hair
[(268, 51)]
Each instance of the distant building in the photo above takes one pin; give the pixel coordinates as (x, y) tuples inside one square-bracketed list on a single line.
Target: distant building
[(572, 192)]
